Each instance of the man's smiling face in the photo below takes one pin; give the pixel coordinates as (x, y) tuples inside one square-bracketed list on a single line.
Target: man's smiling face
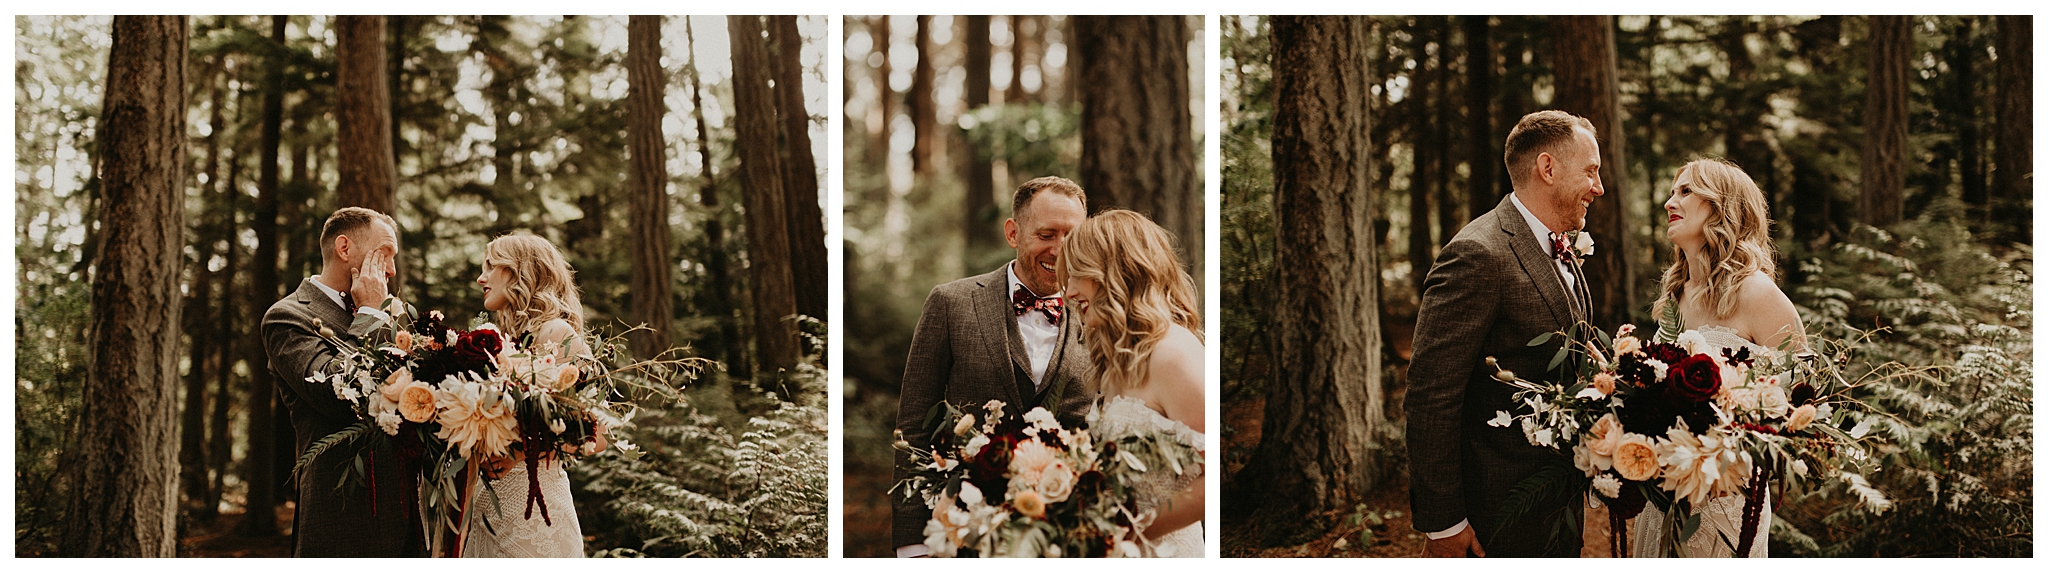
[(1037, 232)]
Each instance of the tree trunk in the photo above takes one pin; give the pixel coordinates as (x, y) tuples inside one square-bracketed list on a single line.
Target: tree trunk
[(123, 488), (1481, 157), (800, 171), (1884, 120), (1020, 50), (1422, 177), (2014, 175), (199, 327), (879, 28), (363, 115), (652, 279), (221, 451), (1325, 420), (760, 175), (924, 108), (717, 264), (1137, 135), (263, 290), (1587, 85), (1448, 210), (1963, 50), (978, 174)]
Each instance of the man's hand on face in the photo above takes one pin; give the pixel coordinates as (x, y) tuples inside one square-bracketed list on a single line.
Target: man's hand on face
[(1463, 544), (370, 283)]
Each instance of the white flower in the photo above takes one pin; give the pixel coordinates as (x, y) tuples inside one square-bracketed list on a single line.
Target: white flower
[(1501, 419), (1030, 458), (1583, 244), (1041, 419), (1056, 482), (475, 418), (557, 426), (1625, 330), (1693, 342), (1771, 399), (970, 495), (1657, 365), (1607, 485), (973, 447), (389, 420)]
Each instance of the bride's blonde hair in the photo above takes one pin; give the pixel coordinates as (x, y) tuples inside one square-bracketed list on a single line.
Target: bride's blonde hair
[(1144, 291), (543, 286), (1737, 235)]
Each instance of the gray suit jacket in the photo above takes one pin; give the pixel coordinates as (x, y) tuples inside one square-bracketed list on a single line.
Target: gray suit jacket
[(967, 351), (332, 521), (1491, 291)]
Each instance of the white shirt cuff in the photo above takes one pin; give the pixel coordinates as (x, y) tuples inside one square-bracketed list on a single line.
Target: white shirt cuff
[(374, 311), (918, 550), (1454, 530)]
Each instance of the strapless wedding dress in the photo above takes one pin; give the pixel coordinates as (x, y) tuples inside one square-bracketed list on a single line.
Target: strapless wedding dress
[(518, 536), (1721, 518), (1122, 416)]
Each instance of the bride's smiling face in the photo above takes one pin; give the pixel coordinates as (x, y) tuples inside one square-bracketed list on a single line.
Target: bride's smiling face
[(1080, 293), (495, 280), (1686, 214)]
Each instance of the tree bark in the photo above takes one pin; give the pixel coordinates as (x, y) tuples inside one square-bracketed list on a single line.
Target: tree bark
[(760, 175), (1423, 175), (652, 278), (1448, 209), (979, 212), (879, 27), (1587, 85), (1963, 51), (264, 289), (2014, 174), (800, 170), (369, 171), (1325, 421), (1482, 157), (1885, 106), (123, 471), (1137, 135), (717, 264), (924, 108), (1020, 50), (199, 327)]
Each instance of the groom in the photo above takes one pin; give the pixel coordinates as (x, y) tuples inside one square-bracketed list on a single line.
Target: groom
[(999, 336), (1508, 277), (381, 518)]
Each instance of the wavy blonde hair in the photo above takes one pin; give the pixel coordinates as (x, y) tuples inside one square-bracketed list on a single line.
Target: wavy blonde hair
[(543, 286), (1144, 292), (1737, 235)]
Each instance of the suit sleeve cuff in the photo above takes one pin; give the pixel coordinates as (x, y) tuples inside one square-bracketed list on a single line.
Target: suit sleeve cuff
[(918, 550), (1454, 530)]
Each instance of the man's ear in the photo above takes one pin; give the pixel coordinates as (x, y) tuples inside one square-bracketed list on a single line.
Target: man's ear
[(1010, 229), (1546, 167), (344, 249)]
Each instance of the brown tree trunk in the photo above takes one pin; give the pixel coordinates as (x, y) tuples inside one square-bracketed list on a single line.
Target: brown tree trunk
[(1481, 156), (1325, 422), (263, 290), (2014, 175), (980, 214), (1448, 217), (123, 486), (221, 450), (879, 27), (1423, 174), (1587, 85), (368, 169), (1963, 50), (761, 177), (1884, 120), (924, 108), (717, 264), (1020, 51), (800, 171), (199, 327), (1137, 135), (652, 281)]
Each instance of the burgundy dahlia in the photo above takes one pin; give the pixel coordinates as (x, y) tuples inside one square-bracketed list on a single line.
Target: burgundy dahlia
[(1694, 378)]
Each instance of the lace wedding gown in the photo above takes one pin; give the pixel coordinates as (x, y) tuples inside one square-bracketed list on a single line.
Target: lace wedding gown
[(1123, 415), (516, 535), (1721, 518)]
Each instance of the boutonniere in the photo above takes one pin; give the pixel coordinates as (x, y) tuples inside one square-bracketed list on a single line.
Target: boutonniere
[(1582, 244)]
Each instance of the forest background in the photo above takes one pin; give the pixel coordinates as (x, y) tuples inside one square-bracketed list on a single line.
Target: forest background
[(945, 116), (675, 161), (1895, 153)]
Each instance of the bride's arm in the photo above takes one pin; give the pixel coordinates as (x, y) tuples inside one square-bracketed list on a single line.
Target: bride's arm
[(1768, 315), (559, 333), (1177, 366)]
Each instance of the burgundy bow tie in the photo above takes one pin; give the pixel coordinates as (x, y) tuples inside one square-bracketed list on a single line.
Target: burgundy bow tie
[(1561, 248), (1025, 302)]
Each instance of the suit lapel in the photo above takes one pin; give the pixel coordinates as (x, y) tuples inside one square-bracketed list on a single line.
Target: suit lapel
[(998, 329), (321, 306), (1541, 269)]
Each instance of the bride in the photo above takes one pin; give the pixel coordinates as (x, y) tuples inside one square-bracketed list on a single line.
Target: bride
[(1722, 286), (532, 292), (1143, 334)]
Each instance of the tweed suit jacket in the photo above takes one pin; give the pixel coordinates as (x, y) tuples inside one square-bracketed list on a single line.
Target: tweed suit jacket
[(967, 350), (361, 520), (1491, 291)]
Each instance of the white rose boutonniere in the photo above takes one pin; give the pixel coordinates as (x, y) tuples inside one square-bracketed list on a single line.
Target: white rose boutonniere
[(1582, 244)]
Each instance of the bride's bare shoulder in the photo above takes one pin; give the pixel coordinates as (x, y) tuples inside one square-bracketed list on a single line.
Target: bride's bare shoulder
[(1179, 358)]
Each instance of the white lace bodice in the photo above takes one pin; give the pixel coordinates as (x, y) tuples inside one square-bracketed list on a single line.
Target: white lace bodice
[(517, 536), (1124, 415)]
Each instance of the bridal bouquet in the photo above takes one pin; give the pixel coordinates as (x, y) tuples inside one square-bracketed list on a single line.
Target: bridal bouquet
[(1679, 423), (1004, 485), (445, 398)]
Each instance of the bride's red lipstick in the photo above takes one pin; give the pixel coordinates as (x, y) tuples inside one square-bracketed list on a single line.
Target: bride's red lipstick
[(1674, 218)]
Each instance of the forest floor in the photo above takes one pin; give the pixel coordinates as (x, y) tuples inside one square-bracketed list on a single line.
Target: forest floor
[(220, 540)]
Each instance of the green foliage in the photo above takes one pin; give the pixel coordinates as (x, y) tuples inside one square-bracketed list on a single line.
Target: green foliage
[(1247, 237), (1959, 462)]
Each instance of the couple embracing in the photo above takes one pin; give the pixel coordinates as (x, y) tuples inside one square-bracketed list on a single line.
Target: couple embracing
[(1095, 320), (532, 291), (1516, 273)]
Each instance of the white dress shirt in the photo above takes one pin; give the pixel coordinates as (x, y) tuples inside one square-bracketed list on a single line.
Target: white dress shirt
[(1040, 334), (340, 301)]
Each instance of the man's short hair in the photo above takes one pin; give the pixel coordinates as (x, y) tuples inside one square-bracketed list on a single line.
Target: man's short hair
[(1048, 184), (1544, 131), (348, 220)]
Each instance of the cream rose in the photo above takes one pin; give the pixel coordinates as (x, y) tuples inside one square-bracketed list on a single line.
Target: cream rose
[(1056, 482), (1635, 458), (1606, 435)]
